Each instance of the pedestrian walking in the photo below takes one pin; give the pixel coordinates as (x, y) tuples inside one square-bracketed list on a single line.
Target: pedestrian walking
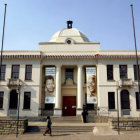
[(48, 127)]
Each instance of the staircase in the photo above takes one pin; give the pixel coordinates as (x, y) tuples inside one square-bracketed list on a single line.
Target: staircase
[(67, 119), (60, 119), (61, 124), (60, 129), (67, 124)]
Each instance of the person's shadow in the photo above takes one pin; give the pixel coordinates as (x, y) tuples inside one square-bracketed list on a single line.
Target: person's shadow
[(60, 135)]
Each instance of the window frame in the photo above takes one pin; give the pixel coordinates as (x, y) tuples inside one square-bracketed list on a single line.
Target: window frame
[(28, 72), (15, 105), (137, 100), (1, 104), (72, 73), (28, 107), (15, 72), (124, 101), (135, 76), (110, 101), (3, 72), (126, 71), (112, 72)]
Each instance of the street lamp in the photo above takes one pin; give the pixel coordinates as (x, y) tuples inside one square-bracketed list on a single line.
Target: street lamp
[(137, 61), (19, 84), (2, 41), (118, 110)]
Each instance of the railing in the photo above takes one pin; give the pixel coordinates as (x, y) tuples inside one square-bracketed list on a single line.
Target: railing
[(14, 83), (125, 82)]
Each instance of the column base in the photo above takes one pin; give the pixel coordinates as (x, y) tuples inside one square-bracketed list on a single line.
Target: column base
[(79, 111), (57, 112)]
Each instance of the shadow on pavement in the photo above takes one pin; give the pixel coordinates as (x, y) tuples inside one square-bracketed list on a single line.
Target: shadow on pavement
[(60, 135)]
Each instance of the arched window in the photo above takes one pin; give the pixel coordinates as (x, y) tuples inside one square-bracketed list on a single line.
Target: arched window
[(13, 99), (125, 101)]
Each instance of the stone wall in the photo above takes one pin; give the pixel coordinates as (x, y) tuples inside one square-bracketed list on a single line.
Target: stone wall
[(9, 126), (125, 124)]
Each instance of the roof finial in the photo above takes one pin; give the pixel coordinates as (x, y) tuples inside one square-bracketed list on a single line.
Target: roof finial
[(69, 24)]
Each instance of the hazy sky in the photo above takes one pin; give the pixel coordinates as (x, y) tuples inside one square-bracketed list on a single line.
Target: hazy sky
[(109, 22)]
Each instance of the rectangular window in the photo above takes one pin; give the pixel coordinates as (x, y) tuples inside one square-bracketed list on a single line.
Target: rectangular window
[(109, 72), (135, 72), (15, 71), (111, 100), (1, 99), (85, 75), (123, 71), (27, 100), (28, 72), (2, 74), (69, 74), (137, 100)]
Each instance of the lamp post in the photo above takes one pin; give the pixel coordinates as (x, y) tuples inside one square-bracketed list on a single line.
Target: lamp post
[(2, 40), (137, 61), (118, 111), (18, 91)]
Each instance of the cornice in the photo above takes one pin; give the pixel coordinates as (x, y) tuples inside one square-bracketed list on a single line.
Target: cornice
[(82, 56)]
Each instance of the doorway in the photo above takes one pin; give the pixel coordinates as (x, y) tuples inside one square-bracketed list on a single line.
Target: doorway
[(69, 106)]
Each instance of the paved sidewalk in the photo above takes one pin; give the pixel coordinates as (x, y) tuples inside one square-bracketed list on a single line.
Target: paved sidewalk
[(74, 136)]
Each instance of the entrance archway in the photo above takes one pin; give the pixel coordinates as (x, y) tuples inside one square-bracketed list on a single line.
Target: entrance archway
[(125, 101), (13, 99)]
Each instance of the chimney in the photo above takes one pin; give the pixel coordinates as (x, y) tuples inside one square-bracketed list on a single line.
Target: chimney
[(69, 24)]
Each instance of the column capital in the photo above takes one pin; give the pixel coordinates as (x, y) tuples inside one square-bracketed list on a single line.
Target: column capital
[(80, 66), (58, 65)]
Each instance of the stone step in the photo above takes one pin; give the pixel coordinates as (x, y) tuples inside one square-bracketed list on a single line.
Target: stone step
[(60, 129), (71, 119), (67, 119)]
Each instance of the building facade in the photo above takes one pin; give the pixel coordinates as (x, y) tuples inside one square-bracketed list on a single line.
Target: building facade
[(66, 73)]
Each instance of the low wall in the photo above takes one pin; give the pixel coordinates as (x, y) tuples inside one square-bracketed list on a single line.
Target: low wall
[(9, 126), (125, 124)]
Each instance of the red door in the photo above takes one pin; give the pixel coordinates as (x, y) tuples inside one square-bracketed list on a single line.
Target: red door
[(69, 105)]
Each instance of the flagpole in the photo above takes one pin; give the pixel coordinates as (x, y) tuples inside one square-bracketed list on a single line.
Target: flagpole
[(137, 61), (2, 40)]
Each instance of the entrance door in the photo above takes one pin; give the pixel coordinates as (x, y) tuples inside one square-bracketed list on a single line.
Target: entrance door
[(69, 105)]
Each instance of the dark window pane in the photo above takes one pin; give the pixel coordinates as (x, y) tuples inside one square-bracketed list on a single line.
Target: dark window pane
[(28, 72), (85, 75), (28, 76), (109, 72), (137, 100), (123, 71), (135, 72), (2, 74), (125, 102), (15, 71), (13, 99), (111, 100), (69, 74), (27, 100), (1, 99)]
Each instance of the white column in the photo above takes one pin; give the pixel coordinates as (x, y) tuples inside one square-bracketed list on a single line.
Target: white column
[(79, 90), (57, 110), (40, 91)]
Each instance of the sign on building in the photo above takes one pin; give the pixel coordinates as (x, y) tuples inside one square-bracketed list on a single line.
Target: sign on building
[(50, 86), (91, 85)]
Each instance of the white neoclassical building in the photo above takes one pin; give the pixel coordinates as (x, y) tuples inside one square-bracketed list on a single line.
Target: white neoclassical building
[(66, 73)]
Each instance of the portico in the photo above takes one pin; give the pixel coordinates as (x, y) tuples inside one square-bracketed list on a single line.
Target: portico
[(70, 85)]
